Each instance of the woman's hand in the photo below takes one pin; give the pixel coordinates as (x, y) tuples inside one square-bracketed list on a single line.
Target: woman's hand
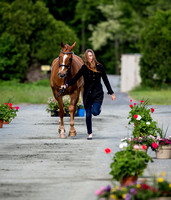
[(113, 97), (63, 87)]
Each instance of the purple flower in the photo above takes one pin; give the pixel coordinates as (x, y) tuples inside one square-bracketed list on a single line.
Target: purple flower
[(132, 191), (128, 196), (108, 188)]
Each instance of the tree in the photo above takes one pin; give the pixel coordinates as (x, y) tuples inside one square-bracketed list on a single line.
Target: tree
[(37, 34), (155, 43), (8, 56)]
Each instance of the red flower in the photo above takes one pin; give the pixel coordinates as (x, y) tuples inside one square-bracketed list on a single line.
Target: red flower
[(142, 101), (145, 186), (131, 100), (10, 104), (107, 150), (131, 106), (154, 145), (144, 147), (135, 116), (17, 108), (5, 103), (152, 110)]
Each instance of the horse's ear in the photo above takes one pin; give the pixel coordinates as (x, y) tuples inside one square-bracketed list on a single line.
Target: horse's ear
[(73, 45), (62, 44)]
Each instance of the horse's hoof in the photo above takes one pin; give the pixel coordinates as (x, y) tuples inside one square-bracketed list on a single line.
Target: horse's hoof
[(63, 136), (72, 134)]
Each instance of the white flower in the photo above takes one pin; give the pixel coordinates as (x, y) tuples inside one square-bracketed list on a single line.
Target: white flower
[(139, 117), (148, 123), (123, 145), (124, 139)]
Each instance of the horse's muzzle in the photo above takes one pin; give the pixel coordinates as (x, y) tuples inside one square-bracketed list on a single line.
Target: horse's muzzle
[(62, 75)]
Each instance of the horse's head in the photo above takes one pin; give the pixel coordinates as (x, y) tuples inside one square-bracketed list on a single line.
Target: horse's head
[(65, 59)]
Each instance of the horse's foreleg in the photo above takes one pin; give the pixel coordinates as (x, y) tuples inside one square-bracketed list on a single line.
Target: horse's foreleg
[(61, 121), (72, 110)]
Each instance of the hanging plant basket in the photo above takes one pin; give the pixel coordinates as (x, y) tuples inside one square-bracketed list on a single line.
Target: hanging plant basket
[(164, 152)]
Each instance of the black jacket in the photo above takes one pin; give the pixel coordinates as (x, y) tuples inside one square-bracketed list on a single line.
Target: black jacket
[(92, 83)]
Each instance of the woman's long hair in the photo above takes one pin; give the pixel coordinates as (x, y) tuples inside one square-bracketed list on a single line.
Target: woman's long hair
[(92, 65)]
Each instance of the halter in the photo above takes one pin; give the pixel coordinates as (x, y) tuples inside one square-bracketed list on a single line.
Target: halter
[(67, 66)]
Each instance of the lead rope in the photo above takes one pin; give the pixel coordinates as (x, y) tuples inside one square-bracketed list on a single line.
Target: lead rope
[(61, 91)]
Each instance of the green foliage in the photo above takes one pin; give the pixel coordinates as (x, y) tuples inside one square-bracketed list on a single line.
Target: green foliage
[(37, 35), (144, 125), (8, 57), (155, 47), (129, 162)]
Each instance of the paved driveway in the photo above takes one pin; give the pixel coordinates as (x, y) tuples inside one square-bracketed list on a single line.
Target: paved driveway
[(36, 165)]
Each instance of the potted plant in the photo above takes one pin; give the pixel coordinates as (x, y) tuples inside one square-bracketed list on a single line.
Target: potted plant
[(162, 147), (3, 114), (159, 189), (7, 112), (52, 107), (140, 117), (140, 143), (129, 164)]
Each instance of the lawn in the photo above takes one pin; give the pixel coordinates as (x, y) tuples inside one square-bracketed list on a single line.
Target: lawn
[(32, 93), (39, 92), (155, 97)]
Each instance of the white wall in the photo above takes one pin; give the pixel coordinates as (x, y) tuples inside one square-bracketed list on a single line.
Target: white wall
[(130, 71)]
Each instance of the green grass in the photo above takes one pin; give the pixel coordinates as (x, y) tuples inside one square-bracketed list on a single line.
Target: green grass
[(19, 93), (155, 97)]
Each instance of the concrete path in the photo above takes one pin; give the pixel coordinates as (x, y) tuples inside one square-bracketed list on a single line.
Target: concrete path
[(36, 165)]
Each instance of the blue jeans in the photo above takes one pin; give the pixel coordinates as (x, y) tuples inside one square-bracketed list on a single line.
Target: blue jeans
[(92, 108)]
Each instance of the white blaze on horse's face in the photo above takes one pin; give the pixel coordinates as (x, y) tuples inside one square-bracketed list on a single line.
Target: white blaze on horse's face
[(63, 63)]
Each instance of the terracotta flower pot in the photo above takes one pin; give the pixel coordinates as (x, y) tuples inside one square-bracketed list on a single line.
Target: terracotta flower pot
[(1, 123), (5, 122), (128, 180), (164, 152)]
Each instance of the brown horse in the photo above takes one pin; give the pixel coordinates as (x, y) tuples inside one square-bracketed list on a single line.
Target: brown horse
[(64, 68)]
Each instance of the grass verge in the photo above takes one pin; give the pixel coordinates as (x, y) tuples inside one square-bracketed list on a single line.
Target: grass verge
[(19, 93), (155, 97)]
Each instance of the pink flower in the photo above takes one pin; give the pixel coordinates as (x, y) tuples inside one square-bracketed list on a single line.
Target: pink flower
[(154, 145), (107, 150), (142, 101), (152, 110), (5, 103), (131, 106), (144, 147), (17, 108), (97, 192), (134, 104), (135, 116), (130, 100), (136, 147)]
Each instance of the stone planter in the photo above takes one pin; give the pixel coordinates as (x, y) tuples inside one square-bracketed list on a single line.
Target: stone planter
[(161, 198), (164, 152)]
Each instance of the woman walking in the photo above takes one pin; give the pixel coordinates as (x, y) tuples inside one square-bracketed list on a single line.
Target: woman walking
[(92, 72)]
